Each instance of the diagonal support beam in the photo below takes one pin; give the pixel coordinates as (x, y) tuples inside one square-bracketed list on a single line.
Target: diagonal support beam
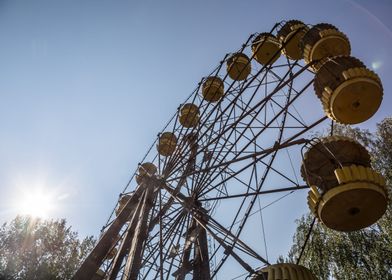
[(134, 260), (96, 257), (185, 267), (126, 244)]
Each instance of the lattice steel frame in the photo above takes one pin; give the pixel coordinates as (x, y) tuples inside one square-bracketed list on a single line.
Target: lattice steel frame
[(230, 155)]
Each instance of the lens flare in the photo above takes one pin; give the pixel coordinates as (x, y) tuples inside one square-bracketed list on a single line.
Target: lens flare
[(376, 65), (35, 203)]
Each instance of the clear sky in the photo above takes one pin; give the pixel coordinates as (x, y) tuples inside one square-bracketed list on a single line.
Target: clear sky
[(86, 85)]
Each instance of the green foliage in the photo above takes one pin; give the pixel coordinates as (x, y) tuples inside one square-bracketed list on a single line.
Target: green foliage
[(32, 249), (360, 255)]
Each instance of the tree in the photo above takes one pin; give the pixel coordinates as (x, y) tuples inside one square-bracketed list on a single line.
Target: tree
[(31, 248), (364, 254)]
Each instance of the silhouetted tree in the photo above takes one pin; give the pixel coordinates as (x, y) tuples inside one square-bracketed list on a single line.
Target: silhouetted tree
[(32, 248)]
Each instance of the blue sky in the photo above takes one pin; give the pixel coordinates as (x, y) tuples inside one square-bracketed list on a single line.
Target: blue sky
[(86, 85)]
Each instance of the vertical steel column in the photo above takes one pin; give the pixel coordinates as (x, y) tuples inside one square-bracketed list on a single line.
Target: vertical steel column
[(201, 264), (126, 243), (186, 265)]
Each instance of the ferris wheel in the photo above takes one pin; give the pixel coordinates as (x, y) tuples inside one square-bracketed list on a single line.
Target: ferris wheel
[(187, 213)]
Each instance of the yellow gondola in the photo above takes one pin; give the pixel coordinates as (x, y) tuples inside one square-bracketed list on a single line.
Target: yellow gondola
[(145, 170), (167, 144), (284, 271), (290, 36), (238, 66), (121, 203), (350, 93), (189, 115), (321, 41), (346, 193), (265, 48), (212, 89)]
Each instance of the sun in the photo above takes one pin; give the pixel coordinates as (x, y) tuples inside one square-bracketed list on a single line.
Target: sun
[(35, 203)]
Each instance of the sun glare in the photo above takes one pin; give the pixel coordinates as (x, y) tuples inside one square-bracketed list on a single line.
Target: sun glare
[(36, 203), (376, 64)]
